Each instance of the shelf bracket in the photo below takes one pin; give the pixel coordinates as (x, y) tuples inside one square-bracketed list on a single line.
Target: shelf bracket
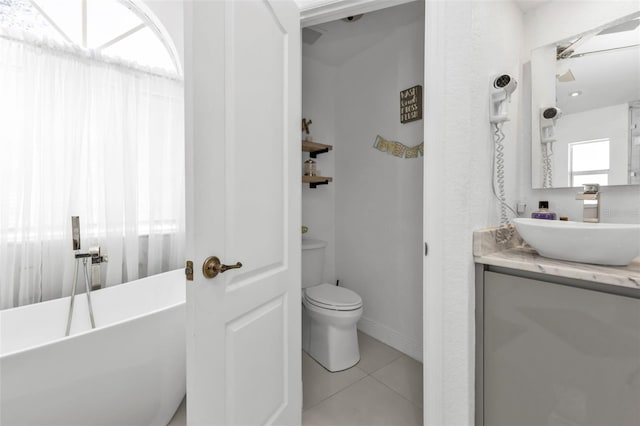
[(315, 184), (314, 154)]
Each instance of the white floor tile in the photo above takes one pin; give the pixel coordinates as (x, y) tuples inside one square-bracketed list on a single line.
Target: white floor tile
[(180, 417), (404, 375), (374, 354), (319, 383), (391, 396), (365, 403)]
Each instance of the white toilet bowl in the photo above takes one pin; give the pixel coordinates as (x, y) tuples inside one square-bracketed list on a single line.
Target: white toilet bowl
[(329, 317)]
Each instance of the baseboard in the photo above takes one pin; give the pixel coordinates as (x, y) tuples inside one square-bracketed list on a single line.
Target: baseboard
[(404, 344)]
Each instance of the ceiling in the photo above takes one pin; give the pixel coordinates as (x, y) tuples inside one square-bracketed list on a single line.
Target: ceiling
[(342, 40), (527, 5)]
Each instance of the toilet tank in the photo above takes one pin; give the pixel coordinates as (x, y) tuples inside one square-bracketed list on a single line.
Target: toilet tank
[(312, 261)]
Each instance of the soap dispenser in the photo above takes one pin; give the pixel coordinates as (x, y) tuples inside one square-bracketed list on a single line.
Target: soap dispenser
[(543, 212)]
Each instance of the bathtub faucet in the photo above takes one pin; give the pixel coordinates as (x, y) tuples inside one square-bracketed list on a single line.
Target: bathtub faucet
[(94, 255), (97, 260)]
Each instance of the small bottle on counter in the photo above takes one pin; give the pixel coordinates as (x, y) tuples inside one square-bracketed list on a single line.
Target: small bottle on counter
[(543, 212)]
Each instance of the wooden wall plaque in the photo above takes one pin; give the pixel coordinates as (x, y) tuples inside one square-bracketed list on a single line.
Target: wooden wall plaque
[(411, 104)]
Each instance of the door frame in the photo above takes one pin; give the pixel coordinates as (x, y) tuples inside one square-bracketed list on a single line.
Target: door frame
[(313, 12), (321, 11)]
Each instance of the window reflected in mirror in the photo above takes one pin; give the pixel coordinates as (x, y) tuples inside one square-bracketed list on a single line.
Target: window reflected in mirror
[(589, 162)]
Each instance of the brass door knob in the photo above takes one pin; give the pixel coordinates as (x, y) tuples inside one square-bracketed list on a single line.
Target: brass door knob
[(212, 267)]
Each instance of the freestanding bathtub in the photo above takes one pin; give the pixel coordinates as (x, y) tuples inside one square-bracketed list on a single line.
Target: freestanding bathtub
[(129, 370)]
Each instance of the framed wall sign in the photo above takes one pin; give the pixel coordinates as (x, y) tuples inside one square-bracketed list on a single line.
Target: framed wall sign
[(411, 104)]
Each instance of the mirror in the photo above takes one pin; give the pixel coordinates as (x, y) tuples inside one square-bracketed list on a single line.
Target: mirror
[(586, 108)]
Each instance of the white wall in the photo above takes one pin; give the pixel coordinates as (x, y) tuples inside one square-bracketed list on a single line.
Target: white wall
[(548, 24), (371, 214), (378, 196), (318, 206), (467, 43), (171, 14)]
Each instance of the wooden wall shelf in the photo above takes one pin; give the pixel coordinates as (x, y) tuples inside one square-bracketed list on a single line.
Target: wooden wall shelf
[(315, 148), (314, 181)]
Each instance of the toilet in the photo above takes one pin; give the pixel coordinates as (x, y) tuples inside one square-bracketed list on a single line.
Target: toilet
[(329, 313)]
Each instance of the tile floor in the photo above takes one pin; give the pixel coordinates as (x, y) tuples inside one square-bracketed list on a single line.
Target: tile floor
[(180, 417), (384, 388)]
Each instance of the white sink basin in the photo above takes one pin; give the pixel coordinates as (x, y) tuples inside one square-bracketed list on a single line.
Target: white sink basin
[(598, 243)]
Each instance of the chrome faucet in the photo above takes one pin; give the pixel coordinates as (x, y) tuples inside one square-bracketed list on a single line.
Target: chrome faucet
[(92, 256), (591, 198)]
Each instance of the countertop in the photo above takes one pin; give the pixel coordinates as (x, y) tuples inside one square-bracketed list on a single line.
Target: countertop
[(516, 254)]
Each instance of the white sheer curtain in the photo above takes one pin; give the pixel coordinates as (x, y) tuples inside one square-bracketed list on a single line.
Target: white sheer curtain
[(83, 137)]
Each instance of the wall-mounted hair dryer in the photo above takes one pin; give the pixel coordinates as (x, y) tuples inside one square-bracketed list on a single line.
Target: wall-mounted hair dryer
[(501, 89), (548, 118)]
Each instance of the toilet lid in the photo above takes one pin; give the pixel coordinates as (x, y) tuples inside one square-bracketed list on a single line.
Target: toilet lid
[(333, 297)]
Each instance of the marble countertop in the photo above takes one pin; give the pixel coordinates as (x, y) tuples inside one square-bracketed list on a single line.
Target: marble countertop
[(516, 254)]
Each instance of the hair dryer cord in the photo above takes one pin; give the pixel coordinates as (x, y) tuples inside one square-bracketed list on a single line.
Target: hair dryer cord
[(504, 234)]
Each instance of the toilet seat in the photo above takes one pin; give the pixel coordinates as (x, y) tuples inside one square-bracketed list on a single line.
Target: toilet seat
[(332, 297)]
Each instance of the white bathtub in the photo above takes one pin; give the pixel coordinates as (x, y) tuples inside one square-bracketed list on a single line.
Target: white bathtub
[(130, 370)]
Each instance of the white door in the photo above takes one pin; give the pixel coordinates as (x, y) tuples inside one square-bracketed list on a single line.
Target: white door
[(242, 78)]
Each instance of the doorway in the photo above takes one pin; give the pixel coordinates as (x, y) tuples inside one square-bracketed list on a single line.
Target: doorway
[(370, 212)]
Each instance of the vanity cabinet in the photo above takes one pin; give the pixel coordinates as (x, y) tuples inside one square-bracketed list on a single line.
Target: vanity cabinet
[(556, 353)]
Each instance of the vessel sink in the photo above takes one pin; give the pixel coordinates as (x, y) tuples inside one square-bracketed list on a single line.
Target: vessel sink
[(596, 243)]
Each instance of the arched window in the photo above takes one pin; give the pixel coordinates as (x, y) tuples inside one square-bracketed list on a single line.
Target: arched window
[(115, 28), (91, 103)]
